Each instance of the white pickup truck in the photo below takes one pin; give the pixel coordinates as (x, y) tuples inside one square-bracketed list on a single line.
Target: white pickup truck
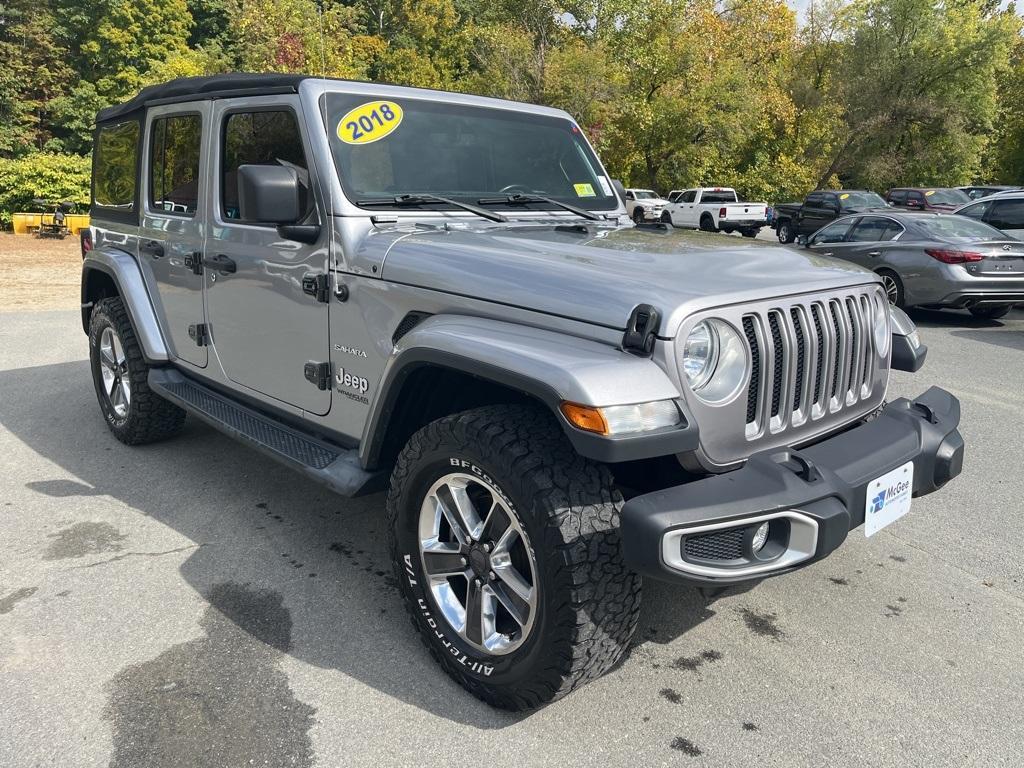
[(644, 205), (714, 209)]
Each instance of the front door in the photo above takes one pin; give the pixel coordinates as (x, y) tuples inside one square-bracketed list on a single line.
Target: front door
[(265, 328), (172, 231)]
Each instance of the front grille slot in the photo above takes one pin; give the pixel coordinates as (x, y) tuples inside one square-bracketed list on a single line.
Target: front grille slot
[(809, 360)]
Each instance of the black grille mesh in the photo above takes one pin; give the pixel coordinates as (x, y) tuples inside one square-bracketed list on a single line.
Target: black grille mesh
[(717, 545), (798, 326), (839, 335), (755, 369), (854, 340), (778, 357), (820, 367)]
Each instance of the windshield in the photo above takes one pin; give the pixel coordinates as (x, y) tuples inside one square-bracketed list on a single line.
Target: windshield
[(946, 196), (392, 147), (960, 228), (858, 200), (644, 194)]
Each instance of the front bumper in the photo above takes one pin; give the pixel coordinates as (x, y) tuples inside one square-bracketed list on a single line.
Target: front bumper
[(817, 494)]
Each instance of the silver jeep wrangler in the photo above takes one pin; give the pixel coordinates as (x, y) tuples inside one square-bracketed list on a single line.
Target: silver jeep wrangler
[(441, 295)]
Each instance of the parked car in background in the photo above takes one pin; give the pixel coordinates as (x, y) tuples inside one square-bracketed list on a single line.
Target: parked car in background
[(714, 209), (926, 259), (1004, 211), (978, 192), (819, 208), (644, 205), (938, 200)]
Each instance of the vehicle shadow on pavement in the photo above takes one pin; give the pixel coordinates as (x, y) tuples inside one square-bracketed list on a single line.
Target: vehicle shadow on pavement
[(947, 318), (1014, 341), (262, 526)]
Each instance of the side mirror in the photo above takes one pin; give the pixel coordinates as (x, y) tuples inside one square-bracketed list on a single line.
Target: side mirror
[(908, 353), (268, 194), (620, 188)]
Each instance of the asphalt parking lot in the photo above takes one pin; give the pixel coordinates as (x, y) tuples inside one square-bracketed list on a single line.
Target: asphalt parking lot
[(194, 604)]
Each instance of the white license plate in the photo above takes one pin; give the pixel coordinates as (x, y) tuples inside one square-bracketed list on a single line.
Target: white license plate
[(888, 498)]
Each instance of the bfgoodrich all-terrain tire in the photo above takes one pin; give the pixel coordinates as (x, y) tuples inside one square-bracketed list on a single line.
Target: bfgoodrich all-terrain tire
[(506, 547), (133, 412)]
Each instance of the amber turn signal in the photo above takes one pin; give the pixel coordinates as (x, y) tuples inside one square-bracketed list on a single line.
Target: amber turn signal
[(585, 417)]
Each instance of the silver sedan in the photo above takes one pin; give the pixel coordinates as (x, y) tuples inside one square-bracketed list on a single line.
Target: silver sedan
[(933, 260)]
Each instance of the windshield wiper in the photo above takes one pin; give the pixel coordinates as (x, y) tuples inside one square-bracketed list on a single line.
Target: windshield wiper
[(401, 200), (520, 199)]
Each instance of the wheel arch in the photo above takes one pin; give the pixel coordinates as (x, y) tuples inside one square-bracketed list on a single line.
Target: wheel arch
[(108, 272), (452, 363)]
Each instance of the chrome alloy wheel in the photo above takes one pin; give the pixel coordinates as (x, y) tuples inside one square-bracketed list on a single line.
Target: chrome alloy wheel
[(114, 370), (478, 563), (892, 289)]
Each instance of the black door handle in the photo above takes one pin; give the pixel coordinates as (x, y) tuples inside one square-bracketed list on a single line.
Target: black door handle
[(154, 247), (220, 262)]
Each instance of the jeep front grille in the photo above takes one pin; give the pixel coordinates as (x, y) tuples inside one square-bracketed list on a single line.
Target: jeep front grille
[(809, 359)]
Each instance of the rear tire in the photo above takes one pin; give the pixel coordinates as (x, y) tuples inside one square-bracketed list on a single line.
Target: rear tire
[(707, 224), (785, 232), (133, 412), (583, 602), (666, 218), (893, 288), (990, 313), (749, 232)]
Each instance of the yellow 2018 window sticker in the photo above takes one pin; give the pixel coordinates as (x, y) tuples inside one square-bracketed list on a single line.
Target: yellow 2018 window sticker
[(844, 196), (584, 190), (369, 122), (929, 193)]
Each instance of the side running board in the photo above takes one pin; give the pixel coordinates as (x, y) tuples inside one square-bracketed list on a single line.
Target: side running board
[(334, 466)]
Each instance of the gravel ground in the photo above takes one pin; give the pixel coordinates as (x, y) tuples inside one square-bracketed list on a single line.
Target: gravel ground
[(194, 604), (39, 274)]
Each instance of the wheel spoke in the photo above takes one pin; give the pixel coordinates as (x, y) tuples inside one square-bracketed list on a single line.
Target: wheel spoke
[(111, 386), (517, 608), (506, 540), (118, 351), (453, 519), (469, 519), (516, 583), (444, 559), (474, 612), (126, 391), (496, 524), (107, 358), (116, 396)]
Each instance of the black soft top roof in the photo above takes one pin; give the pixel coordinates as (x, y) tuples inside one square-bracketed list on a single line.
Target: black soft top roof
[(206, 87)]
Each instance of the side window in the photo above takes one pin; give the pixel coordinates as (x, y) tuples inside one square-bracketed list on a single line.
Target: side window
[(115, 166), (833, 233), (814, 200), (266, 137), (689, 197), (174, 164), (831, 202), (630, 196), (869, 230), (892, 230), (976, 211), (1007, 214), (898, 197), (916, 197)]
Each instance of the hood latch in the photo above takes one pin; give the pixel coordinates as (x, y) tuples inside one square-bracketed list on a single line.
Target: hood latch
[(641, 330)]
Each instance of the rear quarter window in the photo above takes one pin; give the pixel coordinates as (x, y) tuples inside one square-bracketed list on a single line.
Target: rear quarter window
[(115, 167)]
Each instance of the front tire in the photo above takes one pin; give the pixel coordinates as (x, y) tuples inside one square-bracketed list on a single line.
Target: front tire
[(638, 215), (990, 313), (133, 412), (493, 507)]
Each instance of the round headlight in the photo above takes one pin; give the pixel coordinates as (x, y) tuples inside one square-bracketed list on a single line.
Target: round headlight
[(699, 352), (714, 360), (881, 325)]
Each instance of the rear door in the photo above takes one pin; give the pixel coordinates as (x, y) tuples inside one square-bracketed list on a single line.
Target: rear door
[(265, 327), (816, 213), (869, 241), (1007, 215), (172, 227)]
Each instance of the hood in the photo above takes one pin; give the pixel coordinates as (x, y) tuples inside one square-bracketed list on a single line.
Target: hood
[(600, 275), (652, 201)]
